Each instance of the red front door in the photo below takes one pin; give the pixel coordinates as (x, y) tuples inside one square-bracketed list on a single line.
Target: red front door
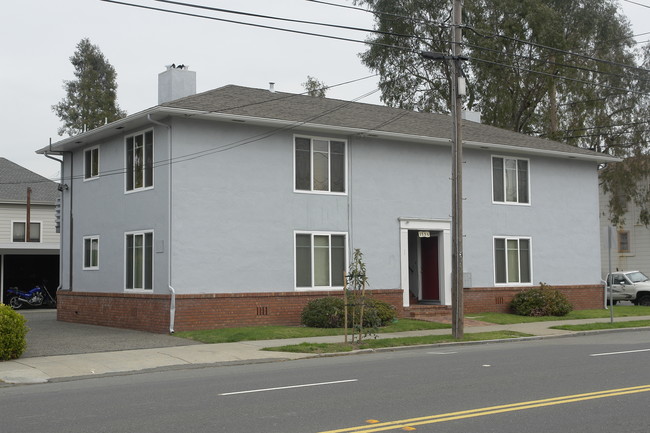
[(430, 277)]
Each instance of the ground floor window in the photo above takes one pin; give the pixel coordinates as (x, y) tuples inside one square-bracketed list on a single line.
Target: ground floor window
[(139, 261), (320, 259), (91, 252), (512, 260)]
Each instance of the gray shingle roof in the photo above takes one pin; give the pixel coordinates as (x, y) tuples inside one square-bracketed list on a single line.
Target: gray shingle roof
[(259, 103), (15, 179)]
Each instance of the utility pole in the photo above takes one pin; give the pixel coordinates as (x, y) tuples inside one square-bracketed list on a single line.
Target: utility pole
[(457, 91), (457, 279), (28, 218)]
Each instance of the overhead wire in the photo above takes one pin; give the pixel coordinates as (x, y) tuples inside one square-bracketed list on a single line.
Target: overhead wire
[(301, 32)]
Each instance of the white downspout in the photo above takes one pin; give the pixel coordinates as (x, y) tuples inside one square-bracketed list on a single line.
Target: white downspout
[(172, 304)]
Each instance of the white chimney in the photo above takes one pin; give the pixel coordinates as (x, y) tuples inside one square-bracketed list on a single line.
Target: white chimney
[(176, 82), (271, 87)]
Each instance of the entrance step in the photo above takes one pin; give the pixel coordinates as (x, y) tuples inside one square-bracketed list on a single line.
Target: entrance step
[(426, 312)]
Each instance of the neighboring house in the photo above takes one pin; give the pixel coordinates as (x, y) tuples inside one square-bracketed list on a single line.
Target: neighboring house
[(29, 253), (629, 245), (236, 206)]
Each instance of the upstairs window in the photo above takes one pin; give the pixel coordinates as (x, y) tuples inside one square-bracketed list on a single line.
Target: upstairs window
[(139, 161), (19, 232), (510, 180), (319, 165), (623, 241), (91, 163)]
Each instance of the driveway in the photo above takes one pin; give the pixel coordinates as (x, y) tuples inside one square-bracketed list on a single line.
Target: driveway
[(47, 336)]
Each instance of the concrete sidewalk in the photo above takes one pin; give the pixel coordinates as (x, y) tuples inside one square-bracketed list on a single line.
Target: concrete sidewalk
[(40, 369)]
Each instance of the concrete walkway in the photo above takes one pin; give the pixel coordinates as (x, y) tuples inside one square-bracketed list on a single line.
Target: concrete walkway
[(135, 353)]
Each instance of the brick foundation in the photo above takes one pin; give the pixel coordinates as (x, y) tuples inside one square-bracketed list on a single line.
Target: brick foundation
[(207, 311), (497, 299), (150, 313)]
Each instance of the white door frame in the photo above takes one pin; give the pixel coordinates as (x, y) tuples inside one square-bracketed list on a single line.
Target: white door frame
[(443, 228)]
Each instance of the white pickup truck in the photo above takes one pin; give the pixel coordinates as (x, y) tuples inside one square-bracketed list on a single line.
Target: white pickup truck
[(631, 286)]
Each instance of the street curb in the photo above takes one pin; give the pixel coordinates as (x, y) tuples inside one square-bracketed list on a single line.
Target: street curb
[(476, 343)]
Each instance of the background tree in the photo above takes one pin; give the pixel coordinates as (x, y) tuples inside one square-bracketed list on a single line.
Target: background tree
[(565, 70), (91, 98), (313, 87)]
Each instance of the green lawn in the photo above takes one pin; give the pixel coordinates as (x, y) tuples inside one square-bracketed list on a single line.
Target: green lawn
[(606, 325), (371, 343), (507, 319), (232, 335)]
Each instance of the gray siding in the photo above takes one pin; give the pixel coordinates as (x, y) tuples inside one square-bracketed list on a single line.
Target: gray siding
[(235, 212), (101, 207)]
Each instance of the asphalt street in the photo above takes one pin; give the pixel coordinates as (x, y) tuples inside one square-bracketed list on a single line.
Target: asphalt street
[(575, 384)]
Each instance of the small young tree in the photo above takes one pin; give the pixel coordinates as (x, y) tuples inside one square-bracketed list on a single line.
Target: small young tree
[(91, 98), (356, 281)]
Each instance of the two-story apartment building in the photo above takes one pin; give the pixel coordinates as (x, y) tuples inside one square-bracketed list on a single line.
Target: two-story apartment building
[(238, 205), (29, 243)]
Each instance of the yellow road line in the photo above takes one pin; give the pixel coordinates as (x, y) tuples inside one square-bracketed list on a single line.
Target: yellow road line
[(391, 425)]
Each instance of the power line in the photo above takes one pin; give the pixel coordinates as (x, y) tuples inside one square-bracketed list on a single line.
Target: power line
[(242, 142), (438, 24), (547, 74), (339, 38), (558, 50), (637, 3), (290, 20)]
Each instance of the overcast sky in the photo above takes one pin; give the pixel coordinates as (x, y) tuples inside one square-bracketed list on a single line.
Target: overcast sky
[(39, 36)]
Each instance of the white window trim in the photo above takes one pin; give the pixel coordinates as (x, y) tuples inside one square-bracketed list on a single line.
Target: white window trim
[(295, 265), (95, 177), (83, 260), (494, 261), (311, 162), (40, 232), (153, 266), (126, 164), (510, 203)]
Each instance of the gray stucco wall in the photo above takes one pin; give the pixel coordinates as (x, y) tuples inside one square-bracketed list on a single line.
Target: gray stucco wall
[(235, 212), (102, 207)]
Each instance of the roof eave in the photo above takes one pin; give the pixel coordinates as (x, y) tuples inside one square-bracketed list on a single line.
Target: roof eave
[(594, 157), (138, 119)]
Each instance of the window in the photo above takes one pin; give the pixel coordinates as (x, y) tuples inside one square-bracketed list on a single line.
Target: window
[(320, 260), (510, 180), (91, 163), (139, 161), (91, 252), (512, 260), (624, 242), (19, 232), (319, 165), (139, 261)]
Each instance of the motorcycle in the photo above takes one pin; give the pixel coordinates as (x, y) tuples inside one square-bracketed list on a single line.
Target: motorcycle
[(36, 297)]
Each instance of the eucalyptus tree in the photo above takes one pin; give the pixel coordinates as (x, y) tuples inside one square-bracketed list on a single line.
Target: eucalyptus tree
[(91, 98), (567, 70)]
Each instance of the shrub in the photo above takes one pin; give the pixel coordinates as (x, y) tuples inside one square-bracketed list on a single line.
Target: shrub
[(323, 313), (12, 333), (329, 313), (378, 313), (543, 301)]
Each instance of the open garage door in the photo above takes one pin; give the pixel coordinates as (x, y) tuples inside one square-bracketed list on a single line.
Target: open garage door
[(26, 271)]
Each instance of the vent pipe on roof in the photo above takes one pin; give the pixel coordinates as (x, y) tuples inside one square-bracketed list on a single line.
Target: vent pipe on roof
[(271, 87), (176, 82)]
